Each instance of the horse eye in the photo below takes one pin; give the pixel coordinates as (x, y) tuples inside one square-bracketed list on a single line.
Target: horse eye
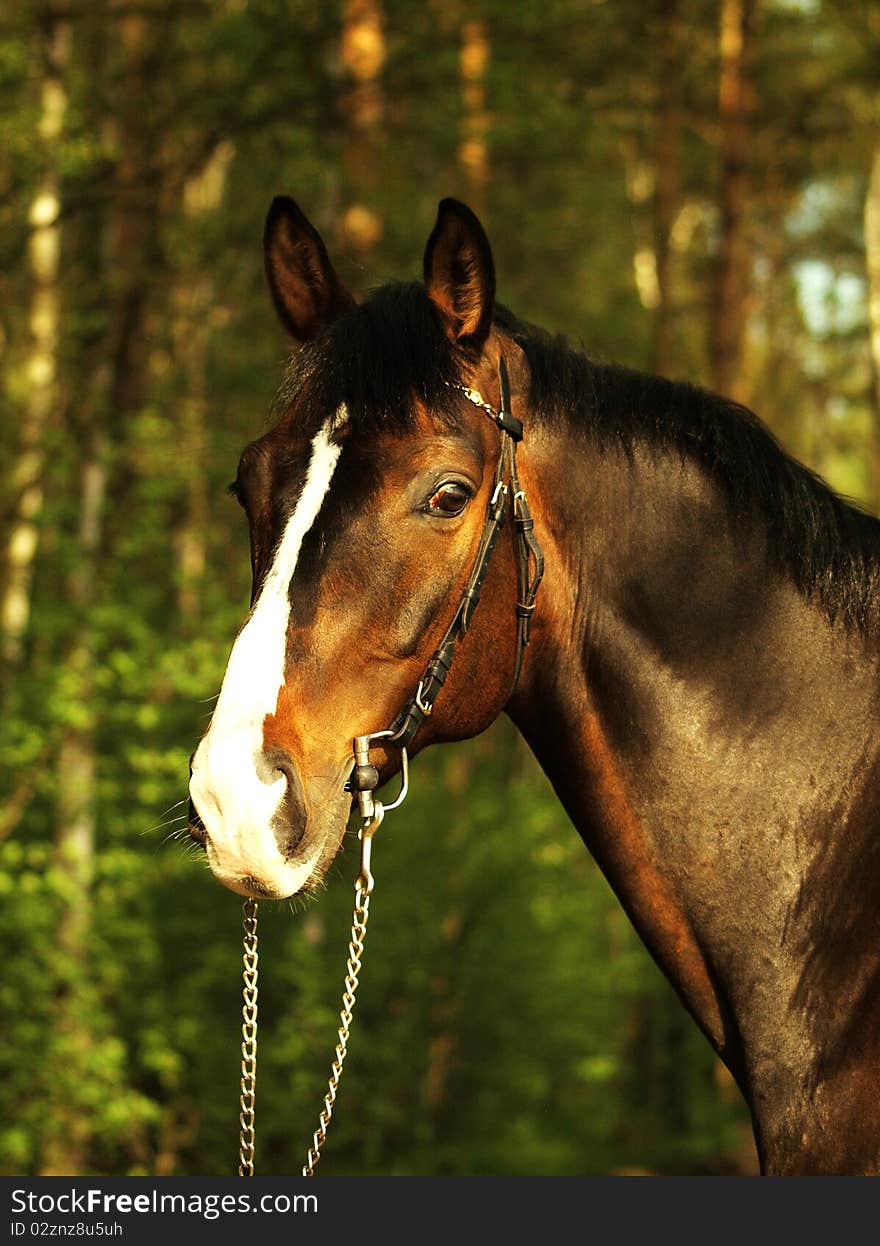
[(449, 500)]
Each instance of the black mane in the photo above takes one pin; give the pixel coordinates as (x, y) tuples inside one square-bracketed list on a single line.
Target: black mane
[(381, 355), (827, 544)]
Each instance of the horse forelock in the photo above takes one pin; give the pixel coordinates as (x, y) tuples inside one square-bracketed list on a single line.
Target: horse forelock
[(382, 361)]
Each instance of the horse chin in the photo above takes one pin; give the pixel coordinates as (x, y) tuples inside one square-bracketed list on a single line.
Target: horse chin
[(266, 880), (271, 875)]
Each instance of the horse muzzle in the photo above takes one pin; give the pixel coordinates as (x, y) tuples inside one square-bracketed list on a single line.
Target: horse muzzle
[(253, 820)]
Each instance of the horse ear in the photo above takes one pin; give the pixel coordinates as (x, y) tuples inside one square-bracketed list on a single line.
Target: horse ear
[(307, 293), (460, 274)]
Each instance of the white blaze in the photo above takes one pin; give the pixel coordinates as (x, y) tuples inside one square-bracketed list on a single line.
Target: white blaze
[(234, 789)]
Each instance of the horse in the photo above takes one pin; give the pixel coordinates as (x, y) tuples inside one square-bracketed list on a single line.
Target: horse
[(698, 678)]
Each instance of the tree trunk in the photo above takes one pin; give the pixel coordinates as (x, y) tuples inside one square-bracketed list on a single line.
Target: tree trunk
[(872, 265), (363, 57), (640, 190), (192, 298), (731, 286), (473, 149), (68, 1133), (442, 1004), (44, 256), (667, 185), (114, 390)]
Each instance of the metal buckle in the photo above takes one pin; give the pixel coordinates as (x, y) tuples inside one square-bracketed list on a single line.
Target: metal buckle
[(365, 880), (474, 396), (370, 808), (427, 709), (500, 488)]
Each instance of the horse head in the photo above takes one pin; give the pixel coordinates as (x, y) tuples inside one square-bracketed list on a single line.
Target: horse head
[(367, 506)]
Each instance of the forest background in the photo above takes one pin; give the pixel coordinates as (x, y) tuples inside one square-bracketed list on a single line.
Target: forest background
[(686, 186)]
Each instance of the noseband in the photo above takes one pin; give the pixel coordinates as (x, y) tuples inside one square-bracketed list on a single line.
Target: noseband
[(402, 731)]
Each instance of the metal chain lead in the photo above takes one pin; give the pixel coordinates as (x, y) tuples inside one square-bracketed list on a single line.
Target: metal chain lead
[(362, 888), (247, 1137)]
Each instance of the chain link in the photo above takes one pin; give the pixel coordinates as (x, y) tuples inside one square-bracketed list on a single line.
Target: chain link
[(247, 1137), (362, 888), (353, 966)]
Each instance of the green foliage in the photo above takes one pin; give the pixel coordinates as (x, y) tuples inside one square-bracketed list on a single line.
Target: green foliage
[(509, 1019)]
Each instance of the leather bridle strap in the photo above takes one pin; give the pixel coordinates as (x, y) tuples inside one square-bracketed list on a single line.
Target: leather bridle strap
[(364, 777), (528, 551), (411, 717)]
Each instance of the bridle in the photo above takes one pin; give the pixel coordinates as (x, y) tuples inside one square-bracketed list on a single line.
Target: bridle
[(364, 778), (402, 731)]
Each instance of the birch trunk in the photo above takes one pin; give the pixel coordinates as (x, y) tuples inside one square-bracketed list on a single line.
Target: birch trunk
[(730, 293), (363, 57), (872, 265), (44, 256), (114, 390), (68, 1134), (473, 149), (192, 299), (667, 187)]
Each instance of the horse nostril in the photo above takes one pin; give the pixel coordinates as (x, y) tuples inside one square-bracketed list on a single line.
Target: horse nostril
[(283, 763), (195, 825), (289, 823)]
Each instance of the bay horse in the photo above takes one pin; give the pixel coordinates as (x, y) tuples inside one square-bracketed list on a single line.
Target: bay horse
[(701, 682)]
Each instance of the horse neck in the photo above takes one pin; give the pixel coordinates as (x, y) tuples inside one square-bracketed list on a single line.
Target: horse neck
[(714, 738)]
